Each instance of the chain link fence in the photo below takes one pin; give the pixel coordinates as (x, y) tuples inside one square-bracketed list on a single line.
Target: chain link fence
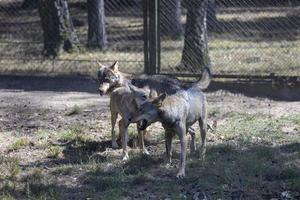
[(249, 37), (22, 49)]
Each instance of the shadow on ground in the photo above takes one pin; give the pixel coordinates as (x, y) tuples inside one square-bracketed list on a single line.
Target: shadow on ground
[(83, 84), (229, 172)]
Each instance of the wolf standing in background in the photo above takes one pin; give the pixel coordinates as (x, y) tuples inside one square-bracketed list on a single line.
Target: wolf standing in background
[(122, 103)]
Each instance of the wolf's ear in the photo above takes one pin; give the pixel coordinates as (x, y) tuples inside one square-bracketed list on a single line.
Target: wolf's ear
[(99, 74), (158, 100), (132, 89), (100, 64), (115, 67), (153, 94)]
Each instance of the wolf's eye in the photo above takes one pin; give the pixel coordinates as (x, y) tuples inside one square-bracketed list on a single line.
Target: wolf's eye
[(144, 97), (106, 80), (113, 78)]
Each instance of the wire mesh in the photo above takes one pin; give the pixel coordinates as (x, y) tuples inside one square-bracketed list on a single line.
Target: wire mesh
[(21, 39), (247, 37)]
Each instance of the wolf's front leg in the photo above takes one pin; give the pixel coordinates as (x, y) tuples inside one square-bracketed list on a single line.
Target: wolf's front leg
[(123, 126), (114, 116), (168, 141), (141, 142), (181, 131), (192, 132)]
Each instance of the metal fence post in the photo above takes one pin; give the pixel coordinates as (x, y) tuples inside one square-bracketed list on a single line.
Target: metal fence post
[(151, 37), (146, 36)]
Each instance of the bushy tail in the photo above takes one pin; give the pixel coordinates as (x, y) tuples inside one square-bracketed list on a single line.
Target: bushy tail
[(205, 79)]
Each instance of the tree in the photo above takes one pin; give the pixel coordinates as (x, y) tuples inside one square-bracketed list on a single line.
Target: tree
[(58, 30), (96, 24), (170, 18), (212, 21), (195, 51)]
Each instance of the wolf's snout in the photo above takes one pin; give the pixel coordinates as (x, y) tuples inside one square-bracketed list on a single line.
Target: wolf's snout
[(101, 92), (142, 125)]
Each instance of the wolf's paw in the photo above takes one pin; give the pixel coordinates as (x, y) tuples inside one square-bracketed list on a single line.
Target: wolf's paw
[(114, 145), (180, 175), (145, 152), (125, 157)]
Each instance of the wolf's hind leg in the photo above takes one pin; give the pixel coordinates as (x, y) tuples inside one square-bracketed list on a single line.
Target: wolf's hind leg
[(203, 131)]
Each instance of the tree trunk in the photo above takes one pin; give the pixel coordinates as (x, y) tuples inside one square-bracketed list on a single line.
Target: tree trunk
[(58, 30), (170, 18), (29, 4), (96, 21), (212, 21), (195, 51)]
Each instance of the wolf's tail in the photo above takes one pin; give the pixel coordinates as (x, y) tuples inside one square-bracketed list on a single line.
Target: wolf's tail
[(205, 79)]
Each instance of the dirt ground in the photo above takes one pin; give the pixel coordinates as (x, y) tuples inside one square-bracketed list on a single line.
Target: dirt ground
[(30, 106)]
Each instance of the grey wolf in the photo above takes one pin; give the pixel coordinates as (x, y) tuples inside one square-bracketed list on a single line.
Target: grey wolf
[(114, 83), (177, 112), (122, 102)]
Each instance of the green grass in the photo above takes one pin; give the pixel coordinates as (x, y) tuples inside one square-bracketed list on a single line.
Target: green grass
[(256, 128), (54, 152), (6, 197), (64, 170), (242, 57), (19, 144), (74, 132), (40, 186), (251, 157), (43, 139), (9, 168), (234, 57)]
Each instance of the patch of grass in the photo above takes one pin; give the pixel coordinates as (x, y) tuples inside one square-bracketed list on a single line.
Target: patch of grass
[(251, 128), (19, 144), (7, 187), (40, 186), (141, 178), (6, 197), (43, 137), (214, 112), (54, 152), (105, 181), (63, 170), (72, 133), (138, 164), (167, 189), (9, 167), (75, 110), (294, 183), (113, 194), (13, 167)]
